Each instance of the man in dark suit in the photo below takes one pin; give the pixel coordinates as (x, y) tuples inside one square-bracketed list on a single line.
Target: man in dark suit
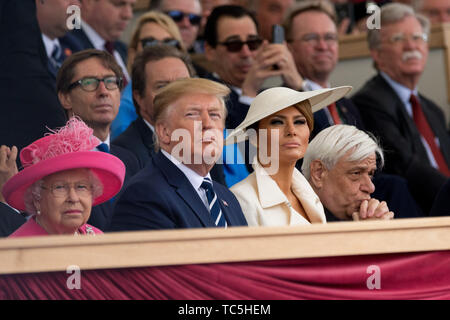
[(88, 86), (102, 24), (52, 18), (411, 127), (311, 32), (27, 93), (175, 189)]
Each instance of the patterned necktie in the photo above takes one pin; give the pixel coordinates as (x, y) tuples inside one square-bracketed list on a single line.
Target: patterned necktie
[(426, 132), (103, 147), (56, 59), (214, 206), (334, 113)]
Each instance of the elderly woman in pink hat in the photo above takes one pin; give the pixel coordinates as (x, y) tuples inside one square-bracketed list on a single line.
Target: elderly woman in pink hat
[(63, 177)]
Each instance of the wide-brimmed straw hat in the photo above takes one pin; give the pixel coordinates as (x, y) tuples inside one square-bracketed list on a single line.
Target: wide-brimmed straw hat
[(275, 99), (70, 147)]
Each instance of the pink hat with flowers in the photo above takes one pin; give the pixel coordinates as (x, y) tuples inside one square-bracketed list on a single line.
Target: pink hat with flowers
[(70, 147)]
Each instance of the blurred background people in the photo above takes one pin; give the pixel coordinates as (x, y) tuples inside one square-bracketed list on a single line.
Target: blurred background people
[(153, 28)]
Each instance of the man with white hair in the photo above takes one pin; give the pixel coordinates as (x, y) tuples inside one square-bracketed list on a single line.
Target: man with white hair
[(410, 126), (339, 164)]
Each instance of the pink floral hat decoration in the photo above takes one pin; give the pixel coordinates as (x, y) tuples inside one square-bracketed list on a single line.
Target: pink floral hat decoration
[(70, 147)]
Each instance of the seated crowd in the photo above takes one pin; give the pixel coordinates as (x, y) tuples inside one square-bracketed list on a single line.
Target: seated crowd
[(182, 129)]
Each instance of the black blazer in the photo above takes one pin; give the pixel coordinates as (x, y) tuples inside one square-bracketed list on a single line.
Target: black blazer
[(347, 111), (137, 138), (101, 214), (10, 220), (384, 114), (29, 103), (83, 43), (441, 206), (161, 197)]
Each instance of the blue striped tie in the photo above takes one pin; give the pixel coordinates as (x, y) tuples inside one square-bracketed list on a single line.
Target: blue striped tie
[(214, 206)]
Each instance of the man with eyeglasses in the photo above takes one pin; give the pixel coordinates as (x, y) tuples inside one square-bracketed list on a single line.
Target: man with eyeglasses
[(438, 11), (242, 60), (187, 15), (410, 126), (88, 86), (311, 33), (102, 24)]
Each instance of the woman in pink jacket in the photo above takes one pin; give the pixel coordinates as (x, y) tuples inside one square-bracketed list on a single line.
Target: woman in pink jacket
[(63, 177)]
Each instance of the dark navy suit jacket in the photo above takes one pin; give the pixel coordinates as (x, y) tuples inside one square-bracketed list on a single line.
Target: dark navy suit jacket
[(83, 42), (137, 138), (29, 103), (441, 206), (161, 197), (384, 114), (101, 214), (10, 220)]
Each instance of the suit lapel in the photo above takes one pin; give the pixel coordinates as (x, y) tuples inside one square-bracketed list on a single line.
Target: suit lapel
[(184, 188), (146, 133)]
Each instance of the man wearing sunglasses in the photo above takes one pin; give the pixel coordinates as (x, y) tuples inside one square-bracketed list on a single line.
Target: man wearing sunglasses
[(187, 15), (242, 60), (88, 86)]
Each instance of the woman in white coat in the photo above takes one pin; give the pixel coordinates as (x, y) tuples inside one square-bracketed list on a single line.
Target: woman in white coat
[(278, 123)]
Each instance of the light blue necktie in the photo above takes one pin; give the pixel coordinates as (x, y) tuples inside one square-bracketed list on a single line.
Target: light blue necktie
[(214, 206)]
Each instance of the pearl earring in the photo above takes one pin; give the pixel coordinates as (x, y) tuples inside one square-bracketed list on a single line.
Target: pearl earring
[(38, 212)]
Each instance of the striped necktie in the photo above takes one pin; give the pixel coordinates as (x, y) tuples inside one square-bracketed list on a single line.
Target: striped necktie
[(214, 206)]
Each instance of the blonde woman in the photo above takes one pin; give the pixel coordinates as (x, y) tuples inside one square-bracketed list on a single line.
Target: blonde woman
[(153, 28)]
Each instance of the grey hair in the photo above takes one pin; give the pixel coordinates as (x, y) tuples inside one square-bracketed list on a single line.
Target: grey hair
[(33, 193), (333, 143), (392, 13)]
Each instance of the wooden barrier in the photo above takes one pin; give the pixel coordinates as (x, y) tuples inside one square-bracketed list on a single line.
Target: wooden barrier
[(198, 246)]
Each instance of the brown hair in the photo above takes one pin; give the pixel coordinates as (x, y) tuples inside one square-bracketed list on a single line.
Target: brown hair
[(67, 71), (304, 6), (150, 54)]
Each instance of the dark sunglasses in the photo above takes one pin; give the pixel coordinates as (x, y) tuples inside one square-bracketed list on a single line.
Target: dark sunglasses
[(236, 45), (178, 15), (91, 84), (150, 42)]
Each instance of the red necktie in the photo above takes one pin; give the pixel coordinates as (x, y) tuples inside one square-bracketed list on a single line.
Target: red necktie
[(426, 132), (334, 113), (109, 46)]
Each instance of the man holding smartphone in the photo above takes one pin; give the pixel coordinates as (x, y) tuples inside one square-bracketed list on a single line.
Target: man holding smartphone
[(243, 60)]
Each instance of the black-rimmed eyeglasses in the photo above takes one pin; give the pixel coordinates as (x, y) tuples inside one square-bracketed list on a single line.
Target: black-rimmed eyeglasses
[(91, 83), (236, 45), (178, 16)]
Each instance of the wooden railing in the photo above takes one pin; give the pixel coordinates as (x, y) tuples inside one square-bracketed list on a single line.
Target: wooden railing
[(197, 246)]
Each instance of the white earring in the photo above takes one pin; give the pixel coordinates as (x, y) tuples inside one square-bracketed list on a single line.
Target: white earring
[(38, 212)]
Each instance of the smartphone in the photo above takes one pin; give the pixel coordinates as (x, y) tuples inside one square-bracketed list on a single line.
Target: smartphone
[(277, 37), (277, 34)]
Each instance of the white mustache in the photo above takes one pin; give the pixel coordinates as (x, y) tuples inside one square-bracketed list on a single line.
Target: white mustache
[(412, 54)]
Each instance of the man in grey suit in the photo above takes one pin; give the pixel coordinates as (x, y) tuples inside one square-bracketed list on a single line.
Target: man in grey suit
[(411, 127)]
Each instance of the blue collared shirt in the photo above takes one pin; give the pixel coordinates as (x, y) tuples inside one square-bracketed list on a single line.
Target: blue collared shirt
[(404, 94)]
